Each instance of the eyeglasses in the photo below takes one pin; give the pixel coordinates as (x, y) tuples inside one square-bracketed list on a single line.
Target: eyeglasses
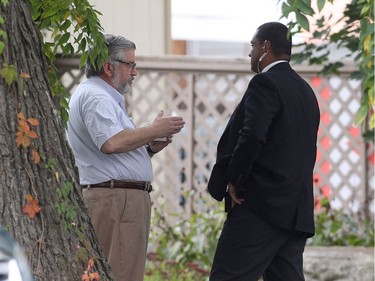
[(132, 65)]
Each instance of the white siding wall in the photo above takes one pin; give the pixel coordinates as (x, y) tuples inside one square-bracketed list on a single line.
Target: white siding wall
[(146, 22)]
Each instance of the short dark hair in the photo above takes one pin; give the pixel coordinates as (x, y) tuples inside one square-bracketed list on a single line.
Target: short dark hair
[(278, 35), (116, 46)]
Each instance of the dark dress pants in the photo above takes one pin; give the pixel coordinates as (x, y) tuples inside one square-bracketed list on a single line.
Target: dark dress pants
[(249, 248)]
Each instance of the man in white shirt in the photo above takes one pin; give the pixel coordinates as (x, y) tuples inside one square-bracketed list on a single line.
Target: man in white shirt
[(113, 158)]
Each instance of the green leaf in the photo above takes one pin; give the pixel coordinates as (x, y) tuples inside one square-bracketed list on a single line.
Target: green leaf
[(332, 68), (369, 135), (44, 24), (365, 10), (82, 45), (305, 7), (48, 13), (372, 122), (367, 28), (67, 49), (361, 114), (81, 254), (307, 2), (303, 21), (66, 25), (321, 4), (64, 115), (286, 10), (9, 73), (83, 60), (64, 38), (3, 34), (2, 47)]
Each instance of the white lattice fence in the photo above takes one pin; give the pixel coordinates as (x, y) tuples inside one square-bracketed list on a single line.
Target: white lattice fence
[(205, 95), (341, 163)]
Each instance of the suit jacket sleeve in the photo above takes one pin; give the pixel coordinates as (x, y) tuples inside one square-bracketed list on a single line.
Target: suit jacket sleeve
[(261, 106)]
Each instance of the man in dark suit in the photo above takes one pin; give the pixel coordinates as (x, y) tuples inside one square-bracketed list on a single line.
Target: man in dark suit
[(264, 168)]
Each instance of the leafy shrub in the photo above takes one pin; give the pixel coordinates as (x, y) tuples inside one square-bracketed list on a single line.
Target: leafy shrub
[(183, 248), (337, 228)]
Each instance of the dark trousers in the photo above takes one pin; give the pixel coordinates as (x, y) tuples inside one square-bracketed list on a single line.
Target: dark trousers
[(249, 248)]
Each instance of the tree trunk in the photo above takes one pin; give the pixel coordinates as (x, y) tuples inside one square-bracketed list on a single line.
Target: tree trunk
[(57, 243)]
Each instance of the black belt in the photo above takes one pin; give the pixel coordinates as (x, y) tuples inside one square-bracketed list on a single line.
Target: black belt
[(141, 185)]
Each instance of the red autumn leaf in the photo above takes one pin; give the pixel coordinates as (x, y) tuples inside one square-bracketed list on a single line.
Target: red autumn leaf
[(24, 75), (31, 207), (22, 139), (94, 276), (33, 121), (35, 156), (21, 116), (32, 134), (85, 277), (23, 126), (90, 264)]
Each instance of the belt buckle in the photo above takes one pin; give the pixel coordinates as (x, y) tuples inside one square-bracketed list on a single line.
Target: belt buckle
[(148, 187)]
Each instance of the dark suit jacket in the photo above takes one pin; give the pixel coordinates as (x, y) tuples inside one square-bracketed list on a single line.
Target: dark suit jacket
[(268, 149)]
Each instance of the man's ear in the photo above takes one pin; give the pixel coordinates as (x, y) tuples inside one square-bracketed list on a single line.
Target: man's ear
[(108, 68), (267, 46)]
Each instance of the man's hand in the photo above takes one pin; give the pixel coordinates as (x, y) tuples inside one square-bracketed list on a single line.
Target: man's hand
[(157, 146), (233, 194), (167, 126)]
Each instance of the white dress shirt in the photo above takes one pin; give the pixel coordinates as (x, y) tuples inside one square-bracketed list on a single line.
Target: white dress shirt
[(96, 113)]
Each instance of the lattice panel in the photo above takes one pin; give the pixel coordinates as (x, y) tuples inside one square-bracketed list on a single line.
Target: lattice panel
[(215, 98), (206, 99), (341, 161), (171, 92), (71, 77)]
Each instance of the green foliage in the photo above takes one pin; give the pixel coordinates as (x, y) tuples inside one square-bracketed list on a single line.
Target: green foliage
[(337, 228), (51, 164), (68, 28), (356, 35), (184, 248), (366, 41), (64, 209), (9, 73), (72, 25), (82, 254), (166, 270)]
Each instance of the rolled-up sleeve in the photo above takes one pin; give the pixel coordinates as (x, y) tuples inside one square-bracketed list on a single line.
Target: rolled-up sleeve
[(102, 121)]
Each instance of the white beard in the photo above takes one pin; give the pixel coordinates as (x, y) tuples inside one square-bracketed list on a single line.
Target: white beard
[(123, 88), (127, 89)]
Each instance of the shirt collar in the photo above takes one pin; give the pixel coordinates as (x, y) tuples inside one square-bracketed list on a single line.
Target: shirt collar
[(109, 89), (272, 64)]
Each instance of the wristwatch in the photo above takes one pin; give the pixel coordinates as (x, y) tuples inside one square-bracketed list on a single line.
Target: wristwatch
[(149, 150)]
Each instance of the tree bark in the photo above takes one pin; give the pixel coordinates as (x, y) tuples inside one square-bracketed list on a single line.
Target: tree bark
[(57, 244)]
